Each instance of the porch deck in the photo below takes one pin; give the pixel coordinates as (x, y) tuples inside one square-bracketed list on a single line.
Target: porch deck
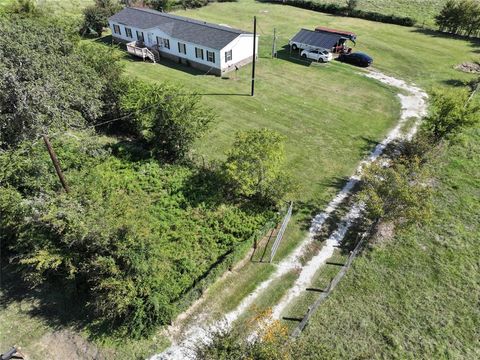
[(140, 50)]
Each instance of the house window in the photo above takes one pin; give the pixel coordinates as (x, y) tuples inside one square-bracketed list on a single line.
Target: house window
[(228, 55), (140, 36), (163, 42), (128, 32), (210, 56), (116, 29), (199, 53), (182, 48)]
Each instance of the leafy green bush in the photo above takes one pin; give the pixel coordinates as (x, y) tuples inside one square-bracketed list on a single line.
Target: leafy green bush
[(270, 343), (131, 234), (450, 111), (44, 84), (255, 166), (167, 117), (95, 17), (399, 192)]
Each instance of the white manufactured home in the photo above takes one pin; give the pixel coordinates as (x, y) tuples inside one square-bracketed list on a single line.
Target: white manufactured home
[(216, 49)]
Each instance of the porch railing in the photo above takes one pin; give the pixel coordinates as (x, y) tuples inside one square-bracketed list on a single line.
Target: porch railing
[(140, 51)]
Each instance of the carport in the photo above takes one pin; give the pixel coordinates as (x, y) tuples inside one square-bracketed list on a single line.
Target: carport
[(322, 39)]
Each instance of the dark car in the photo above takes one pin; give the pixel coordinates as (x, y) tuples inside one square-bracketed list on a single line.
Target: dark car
[(358, 58)]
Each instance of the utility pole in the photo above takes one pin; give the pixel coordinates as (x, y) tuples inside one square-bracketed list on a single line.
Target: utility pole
[(274, 44), (55, 162), (254, 53)]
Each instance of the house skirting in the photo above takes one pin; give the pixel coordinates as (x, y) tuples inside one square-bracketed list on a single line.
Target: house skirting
[(196, 65), (237, 65)]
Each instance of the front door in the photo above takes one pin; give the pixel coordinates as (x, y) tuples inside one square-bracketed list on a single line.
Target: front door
[(150, 37)]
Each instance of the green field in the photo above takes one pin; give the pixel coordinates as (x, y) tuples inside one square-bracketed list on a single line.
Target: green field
[(423, 11), (416, 295), (58, 7), (281, 101), (331, 115)]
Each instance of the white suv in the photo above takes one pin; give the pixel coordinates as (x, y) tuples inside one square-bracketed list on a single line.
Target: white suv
[(317, 55)]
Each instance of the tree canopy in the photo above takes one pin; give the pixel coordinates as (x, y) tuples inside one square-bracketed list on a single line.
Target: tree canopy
[(460, 17), (45, 85), (167, 117), (255, 165)]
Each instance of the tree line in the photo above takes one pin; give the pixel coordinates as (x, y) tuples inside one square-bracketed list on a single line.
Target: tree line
[(460, 17)]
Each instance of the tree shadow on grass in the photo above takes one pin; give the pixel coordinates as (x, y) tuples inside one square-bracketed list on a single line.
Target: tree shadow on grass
[(474, 42), (455, 83), (108, 40), (292, 56), (58, 304)]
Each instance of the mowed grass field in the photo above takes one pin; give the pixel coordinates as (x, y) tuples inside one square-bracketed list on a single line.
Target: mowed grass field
[(423, 11), (326, 111), (414, 296), (330, 115)]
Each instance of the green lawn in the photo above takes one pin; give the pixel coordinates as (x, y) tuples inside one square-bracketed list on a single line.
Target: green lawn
[(332, 116), (423, 11), (334, 113), (414, 296)]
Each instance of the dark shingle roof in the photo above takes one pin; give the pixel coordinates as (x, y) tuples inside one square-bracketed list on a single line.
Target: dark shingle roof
[(317, 38), (179, 27)]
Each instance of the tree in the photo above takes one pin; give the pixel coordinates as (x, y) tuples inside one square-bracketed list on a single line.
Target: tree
[(44, 84), (351, 5), (160, 5), (106, 61), (396, 192), (459, 17), (451, 110), (95, 17), (255, 166), (192, 4), (167, 118)]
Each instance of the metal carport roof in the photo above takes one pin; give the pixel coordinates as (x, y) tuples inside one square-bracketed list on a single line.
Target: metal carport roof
[(317, 38)]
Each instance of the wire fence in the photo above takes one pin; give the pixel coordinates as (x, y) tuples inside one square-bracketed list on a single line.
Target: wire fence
[(333, 283), (279, 237)]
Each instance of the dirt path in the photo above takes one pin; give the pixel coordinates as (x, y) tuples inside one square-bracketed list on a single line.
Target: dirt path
[(413, 106)]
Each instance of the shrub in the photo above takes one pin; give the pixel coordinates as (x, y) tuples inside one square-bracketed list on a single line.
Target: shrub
[(167, 118), (44, 84), (161, 5), (270, 343), (255, 166), (192, 4), (95, 17), (450, 111), (398, 192), (127, 233)]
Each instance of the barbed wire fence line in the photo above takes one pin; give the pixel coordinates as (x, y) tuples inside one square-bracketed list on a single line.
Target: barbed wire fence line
[(281, 232), (333, 283)]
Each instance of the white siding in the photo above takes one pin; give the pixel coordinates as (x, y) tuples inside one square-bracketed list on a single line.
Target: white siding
[(151, 39), (123, 33), (242, 48)]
